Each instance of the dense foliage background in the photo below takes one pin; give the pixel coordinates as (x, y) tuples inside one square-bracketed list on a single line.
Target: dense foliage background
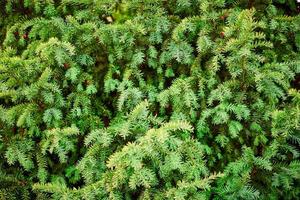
[(152, 99)]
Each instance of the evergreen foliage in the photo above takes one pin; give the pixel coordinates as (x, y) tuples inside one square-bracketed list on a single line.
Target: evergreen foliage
[(153, 99)]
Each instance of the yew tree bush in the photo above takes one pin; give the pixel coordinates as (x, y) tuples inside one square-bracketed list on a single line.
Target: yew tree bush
[(152, 99)]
